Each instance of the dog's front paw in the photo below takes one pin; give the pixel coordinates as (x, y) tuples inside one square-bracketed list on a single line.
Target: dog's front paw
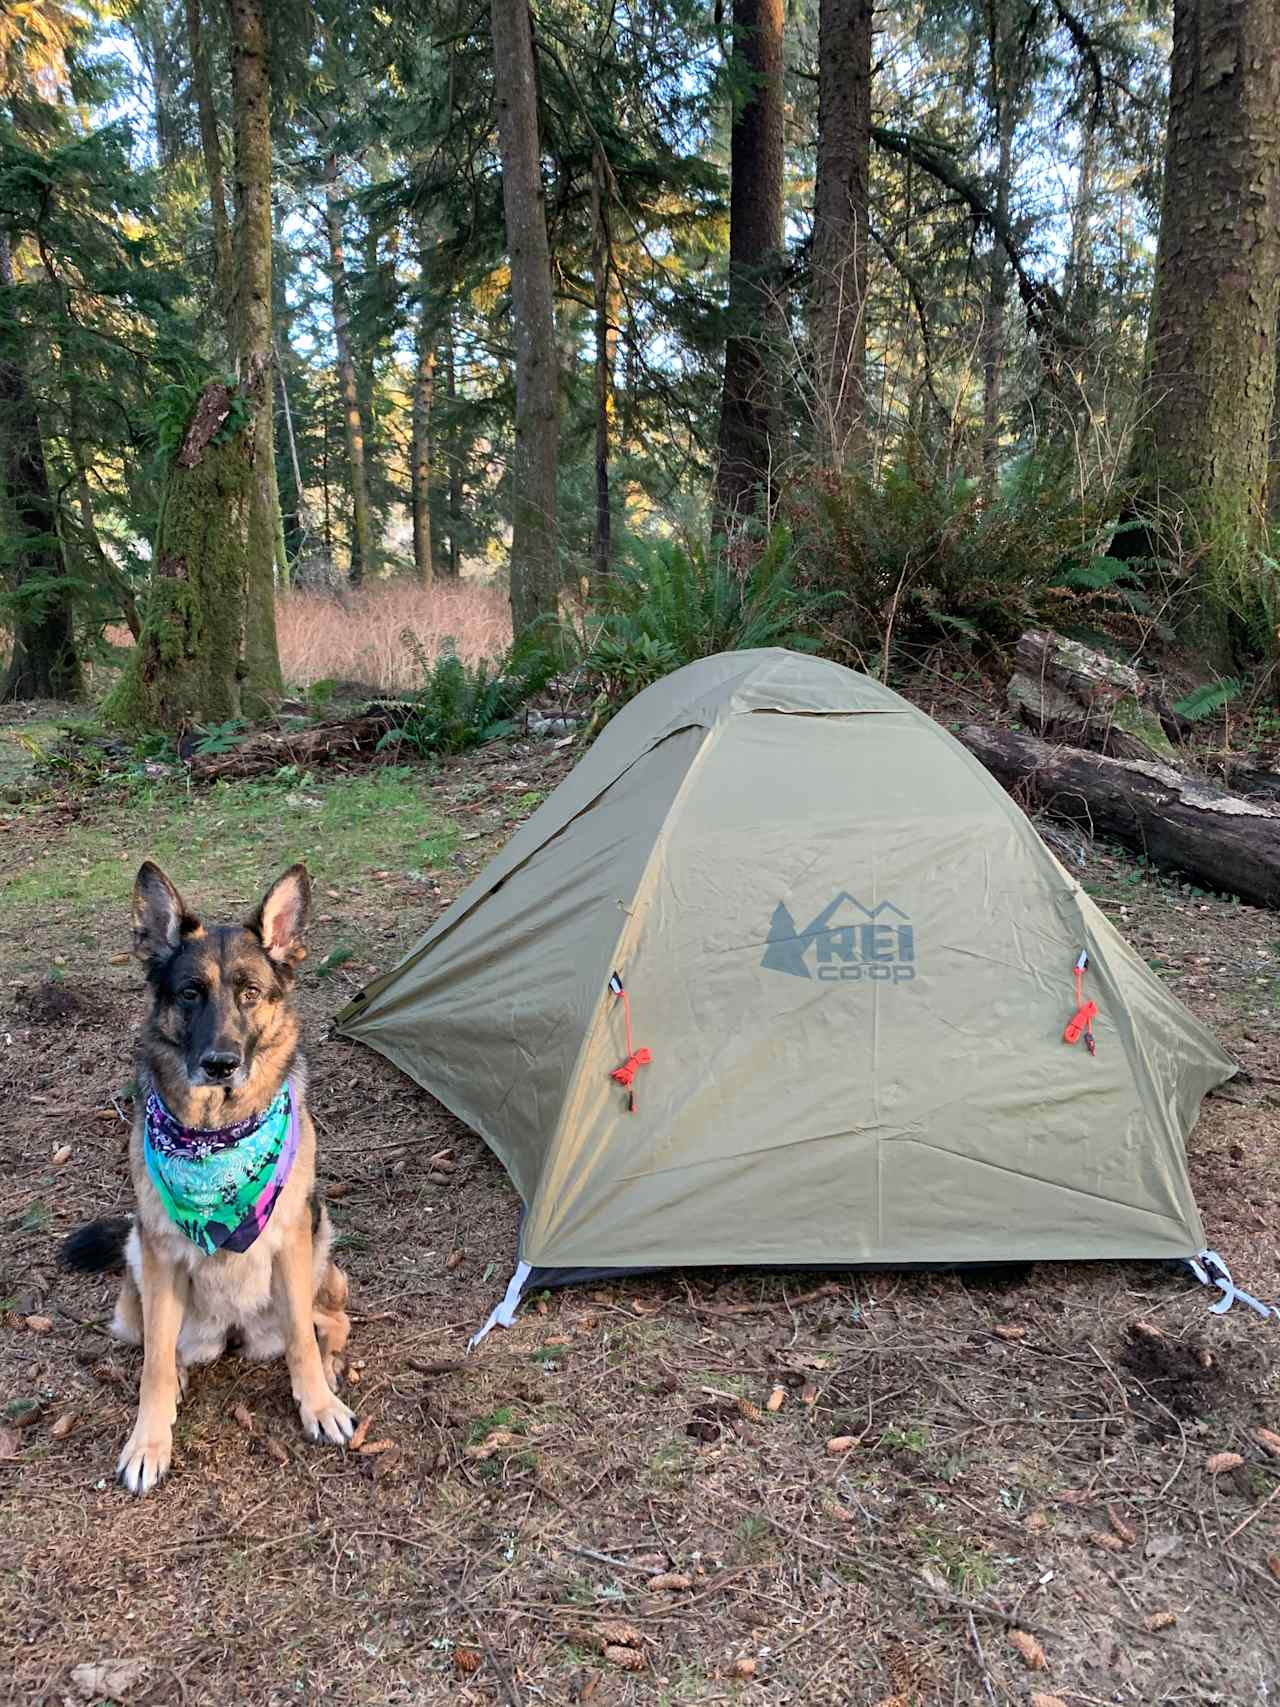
[(145, 1458), (329, 1419)]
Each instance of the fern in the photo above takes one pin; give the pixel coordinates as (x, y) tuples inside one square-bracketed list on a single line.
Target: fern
[(460, 706), (1209, 697)]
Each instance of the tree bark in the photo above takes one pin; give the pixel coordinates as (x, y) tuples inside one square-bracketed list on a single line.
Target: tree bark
[(993, 325), (605, 341), (1068, 692), (44, 663), (211, 148), (535, 555), (361, 530), (455, 454), (423, 396), (748, 442), (1202, 442), (841, 216), (251, 321), (1230, 846)]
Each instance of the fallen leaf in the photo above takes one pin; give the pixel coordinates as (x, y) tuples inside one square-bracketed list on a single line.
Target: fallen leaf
[(361, 1435), (455, 1258), (1009, 1331), (627, 1658), (619, 1635), (1161, 1621), (808, 1394), (1268, 1441), (275, 1451), (1221, 1462), (244, 1416), (744, 1667), (1146, 1331), (64, 1425), (935, 1580), (1273, 1564), (109, 1677), (1127, 1533), (1039, 1700), (839, 1444), (10, 1441), (1108, 1542), (467, 1660), (61, 1156), (671, 1582), (121, 959), (1033, 1655), (339, 1188), (775, 1400), (1036, 1520), (372, 1448)]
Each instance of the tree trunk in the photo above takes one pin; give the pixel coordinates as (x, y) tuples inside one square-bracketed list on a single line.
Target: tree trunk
[(251, 320), (841, 214), (601, 270), (1201, 444), (44, 663), (361, 530), (300, 518), (1229, 845), (535, 556), (455, 455), (423, 396), (748, 411), (993, 325), (190, 665), (211, 148)]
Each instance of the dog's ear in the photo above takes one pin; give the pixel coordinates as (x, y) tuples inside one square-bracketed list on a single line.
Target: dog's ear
[(280, 921), (160, 916)]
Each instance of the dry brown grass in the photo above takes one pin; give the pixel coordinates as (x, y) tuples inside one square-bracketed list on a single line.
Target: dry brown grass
[(359, 637)]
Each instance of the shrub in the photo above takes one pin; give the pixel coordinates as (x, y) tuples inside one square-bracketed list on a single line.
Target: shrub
[(920, 554), (664, 606), (460, 705)]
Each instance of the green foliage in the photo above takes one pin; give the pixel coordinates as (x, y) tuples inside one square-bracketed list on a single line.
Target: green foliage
[(459, 705), (219, 737), (665, 606), (1209, 697), (922, 551)]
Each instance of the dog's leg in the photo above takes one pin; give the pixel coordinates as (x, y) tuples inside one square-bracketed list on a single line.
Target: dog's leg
[(148, 1449), (293, 1283)]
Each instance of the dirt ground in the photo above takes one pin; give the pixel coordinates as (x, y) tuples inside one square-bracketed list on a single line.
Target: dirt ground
[(1025, 1507)]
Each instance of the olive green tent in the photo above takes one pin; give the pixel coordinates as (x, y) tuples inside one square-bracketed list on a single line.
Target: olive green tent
[(852, 961)]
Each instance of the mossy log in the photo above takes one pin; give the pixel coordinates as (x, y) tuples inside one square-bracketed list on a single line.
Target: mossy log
[(1068, 692)]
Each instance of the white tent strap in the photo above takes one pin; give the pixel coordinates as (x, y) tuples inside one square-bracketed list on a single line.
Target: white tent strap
[(504, 1314), (1210, 1270)]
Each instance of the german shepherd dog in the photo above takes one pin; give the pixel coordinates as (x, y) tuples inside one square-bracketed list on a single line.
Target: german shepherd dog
[(219, 1058)]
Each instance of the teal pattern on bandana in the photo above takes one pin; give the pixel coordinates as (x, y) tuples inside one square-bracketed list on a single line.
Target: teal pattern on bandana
[(220, 1186)]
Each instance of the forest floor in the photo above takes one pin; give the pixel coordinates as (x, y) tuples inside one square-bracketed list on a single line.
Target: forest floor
[(1032, 1448)]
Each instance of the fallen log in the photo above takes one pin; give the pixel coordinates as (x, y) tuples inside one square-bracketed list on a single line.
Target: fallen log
[(1221, 842), (262, 755), (1065, 691)]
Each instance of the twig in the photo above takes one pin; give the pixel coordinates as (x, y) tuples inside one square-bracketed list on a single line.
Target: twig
[(829, 1290), (982, 1658), (506, 1681), (1256, 1512)]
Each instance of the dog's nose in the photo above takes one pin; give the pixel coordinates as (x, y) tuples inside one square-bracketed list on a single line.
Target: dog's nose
[(220, 1063)]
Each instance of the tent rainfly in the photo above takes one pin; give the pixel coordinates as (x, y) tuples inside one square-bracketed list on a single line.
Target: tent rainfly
[(779, 975)]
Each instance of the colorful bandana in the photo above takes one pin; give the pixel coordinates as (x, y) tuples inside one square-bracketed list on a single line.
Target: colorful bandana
[(219, 1187)]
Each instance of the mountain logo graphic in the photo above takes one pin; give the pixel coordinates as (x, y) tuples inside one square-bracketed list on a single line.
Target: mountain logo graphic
[(846, 944)]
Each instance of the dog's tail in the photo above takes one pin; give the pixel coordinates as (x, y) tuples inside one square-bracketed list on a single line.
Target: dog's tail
[(96, 1247)]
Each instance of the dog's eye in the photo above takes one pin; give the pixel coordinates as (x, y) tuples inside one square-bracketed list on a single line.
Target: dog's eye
[(249, 995), (190, 995)]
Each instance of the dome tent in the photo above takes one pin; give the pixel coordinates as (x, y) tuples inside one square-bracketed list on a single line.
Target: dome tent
[(850, 960)]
